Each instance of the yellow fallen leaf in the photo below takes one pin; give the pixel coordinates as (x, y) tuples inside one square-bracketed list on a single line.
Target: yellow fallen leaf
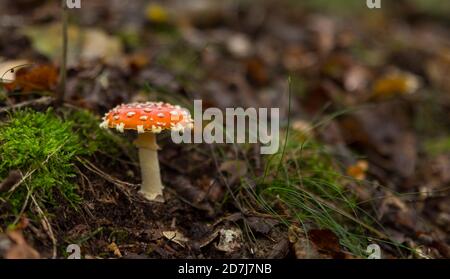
[(157, 14), (115, 249), (358, 170), (397, 83)]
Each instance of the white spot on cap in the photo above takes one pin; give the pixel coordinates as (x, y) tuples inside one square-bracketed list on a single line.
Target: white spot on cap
[(156, 130), (104, 124), (140, 129), (116, 117), (131, 113), (143, 117), (120, 127)]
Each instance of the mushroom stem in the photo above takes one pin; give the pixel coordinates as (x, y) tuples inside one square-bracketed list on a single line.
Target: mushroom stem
[(151, 186)]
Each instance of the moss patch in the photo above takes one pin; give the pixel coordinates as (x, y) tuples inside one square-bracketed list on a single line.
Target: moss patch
[(44, 147)]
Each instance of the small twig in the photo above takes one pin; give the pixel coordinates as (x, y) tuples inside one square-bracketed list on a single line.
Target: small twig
[(47, 226), (43, 101), (63, 70), (121, 185), (90, 166), (24, 206)]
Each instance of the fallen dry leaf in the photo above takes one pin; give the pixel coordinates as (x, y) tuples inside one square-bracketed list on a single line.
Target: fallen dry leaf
[(115, 249), (358, 170), (176, 237), (8, 69), (156, 13), (257, 72), (326, 240), (34, 79), (18, 248), (396, 83), (302, 246)]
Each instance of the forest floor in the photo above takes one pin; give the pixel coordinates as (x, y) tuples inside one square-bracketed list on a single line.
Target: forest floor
[(364, 157)]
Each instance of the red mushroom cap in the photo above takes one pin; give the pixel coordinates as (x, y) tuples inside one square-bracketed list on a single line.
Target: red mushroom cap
[(147, 117)]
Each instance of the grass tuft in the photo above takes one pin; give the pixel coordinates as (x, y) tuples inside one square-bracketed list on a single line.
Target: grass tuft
[(309, 190)]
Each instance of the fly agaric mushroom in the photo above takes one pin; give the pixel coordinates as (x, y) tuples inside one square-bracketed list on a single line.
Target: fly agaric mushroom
[(148, 119)]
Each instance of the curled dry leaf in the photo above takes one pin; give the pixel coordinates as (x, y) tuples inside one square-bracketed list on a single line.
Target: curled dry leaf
[(34, 79), (8, 70), (176, 237)]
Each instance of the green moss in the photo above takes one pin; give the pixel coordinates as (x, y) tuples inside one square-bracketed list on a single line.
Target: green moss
[(42, 147), (93, 139)]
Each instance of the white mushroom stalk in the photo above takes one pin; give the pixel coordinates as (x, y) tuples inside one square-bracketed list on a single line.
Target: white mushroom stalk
[(152, 186), (148, 119)]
